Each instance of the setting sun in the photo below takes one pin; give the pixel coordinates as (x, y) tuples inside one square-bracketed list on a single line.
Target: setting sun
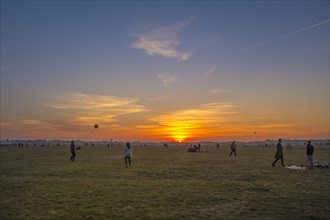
[(179, 131)]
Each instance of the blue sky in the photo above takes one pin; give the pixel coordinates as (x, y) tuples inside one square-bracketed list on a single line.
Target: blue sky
[(265, 63)]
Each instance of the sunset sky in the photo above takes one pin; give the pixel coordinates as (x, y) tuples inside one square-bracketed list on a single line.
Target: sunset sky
[(164, 71)]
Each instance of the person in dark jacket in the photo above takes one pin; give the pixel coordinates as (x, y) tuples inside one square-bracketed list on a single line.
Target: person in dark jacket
[(233, 148), (310, 151), (73, 151), (279, 153)]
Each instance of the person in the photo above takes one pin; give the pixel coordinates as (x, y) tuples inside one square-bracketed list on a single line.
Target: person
[(128, 154), (310, 151), (233, 148), (279, 153), (73, 151)]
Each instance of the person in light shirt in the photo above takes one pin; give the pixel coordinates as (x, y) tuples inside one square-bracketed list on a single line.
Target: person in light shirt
[(128, 154)]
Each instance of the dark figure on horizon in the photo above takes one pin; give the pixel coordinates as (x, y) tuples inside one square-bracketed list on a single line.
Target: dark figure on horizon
[(279, 153), (128, 154), (73, 151), (233, 148), (310, 151)]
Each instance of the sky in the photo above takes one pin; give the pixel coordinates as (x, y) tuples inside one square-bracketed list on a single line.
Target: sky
[(165, 70)]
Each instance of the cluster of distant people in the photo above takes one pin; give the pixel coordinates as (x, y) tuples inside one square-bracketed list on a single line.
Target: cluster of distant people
[(197, 148), (279, 152), (278, 155)]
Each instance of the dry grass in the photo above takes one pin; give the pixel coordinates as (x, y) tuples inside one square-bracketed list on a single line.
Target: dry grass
[(41, 183)]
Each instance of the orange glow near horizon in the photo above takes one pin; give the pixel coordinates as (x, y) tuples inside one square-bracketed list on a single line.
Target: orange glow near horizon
[(207, 122), (179, 132)]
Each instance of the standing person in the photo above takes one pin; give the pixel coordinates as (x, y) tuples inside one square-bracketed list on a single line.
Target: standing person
[(128, 154), (73, 151), (279, 152), (233, 148), (310, 151)]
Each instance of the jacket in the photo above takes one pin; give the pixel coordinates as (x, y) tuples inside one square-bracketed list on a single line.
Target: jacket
[(310, 149)]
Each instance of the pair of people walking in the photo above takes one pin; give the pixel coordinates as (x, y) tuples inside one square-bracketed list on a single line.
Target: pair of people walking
[(279, 153)]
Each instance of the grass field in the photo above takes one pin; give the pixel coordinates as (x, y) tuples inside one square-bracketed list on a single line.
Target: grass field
[(162, 183)]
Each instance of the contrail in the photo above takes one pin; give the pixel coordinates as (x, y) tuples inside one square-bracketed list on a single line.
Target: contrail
[(284, 35)]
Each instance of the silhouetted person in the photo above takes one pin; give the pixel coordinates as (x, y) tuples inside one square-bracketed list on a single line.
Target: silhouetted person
[(310, 151), (233, 148), (279, 153), (128, 154), (73, 151)]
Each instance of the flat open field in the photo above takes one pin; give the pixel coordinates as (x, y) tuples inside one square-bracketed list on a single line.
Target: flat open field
[(162, 183)]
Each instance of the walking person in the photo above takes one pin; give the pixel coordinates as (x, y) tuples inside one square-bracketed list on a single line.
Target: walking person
[(279, 153), (73, 151), (233, 148), (128, 154), (310, 151)]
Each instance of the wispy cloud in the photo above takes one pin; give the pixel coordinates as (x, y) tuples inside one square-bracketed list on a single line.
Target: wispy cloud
[(86, 109), (166, 79), (163, 42), (31, 122), (210, 71), (158, 98), (217, 91), (205, 114), (37, 125), (284, 35)]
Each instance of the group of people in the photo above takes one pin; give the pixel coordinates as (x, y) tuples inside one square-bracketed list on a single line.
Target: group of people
[(278, 154), (127, 153)]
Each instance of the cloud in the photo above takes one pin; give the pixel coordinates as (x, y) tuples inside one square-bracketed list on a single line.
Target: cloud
[(31, 122), (166, 79), (86, 109), (217, 91), (37, 125), (158, 98), (210, 71), (205, 114), (163, 42)]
